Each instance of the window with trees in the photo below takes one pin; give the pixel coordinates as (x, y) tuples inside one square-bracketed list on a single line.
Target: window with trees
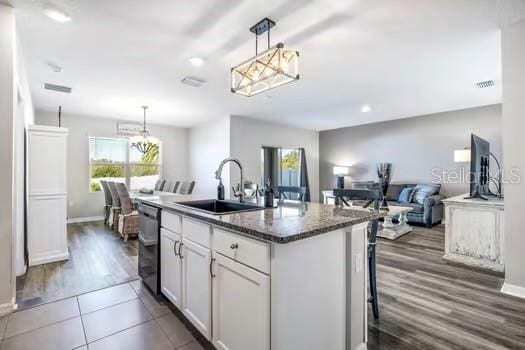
[(282, 166), (113, 159)]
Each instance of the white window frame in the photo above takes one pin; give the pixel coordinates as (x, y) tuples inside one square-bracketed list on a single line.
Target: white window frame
[(127, 163)]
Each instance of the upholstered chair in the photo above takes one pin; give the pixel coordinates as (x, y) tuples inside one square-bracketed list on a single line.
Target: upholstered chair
[(186, 187), (168, 185), (128, 223), (108, 201), (171, 186), (160, 185), (115, 206)]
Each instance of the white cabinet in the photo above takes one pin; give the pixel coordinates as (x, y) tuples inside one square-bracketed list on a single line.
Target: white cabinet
[(47, 194), (241, 306), (171, 267), (196, 285), (47, 229), (475, 232)]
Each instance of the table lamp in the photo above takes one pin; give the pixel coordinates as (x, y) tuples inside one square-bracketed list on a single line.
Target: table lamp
[(462, 155), (340, 172)]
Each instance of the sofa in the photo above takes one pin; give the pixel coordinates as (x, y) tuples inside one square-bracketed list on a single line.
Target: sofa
[(429, 213)]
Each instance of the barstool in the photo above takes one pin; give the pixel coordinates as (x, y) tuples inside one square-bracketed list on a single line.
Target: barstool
[(372, 197)]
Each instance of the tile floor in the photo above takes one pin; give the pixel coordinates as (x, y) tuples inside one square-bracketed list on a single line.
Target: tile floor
[(124, 316)]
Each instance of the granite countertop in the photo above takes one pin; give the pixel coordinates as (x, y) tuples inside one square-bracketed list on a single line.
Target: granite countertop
[(286, 223)]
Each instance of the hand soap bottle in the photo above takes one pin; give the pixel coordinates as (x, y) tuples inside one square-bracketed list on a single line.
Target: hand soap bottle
[(268, 195), (220, 191)]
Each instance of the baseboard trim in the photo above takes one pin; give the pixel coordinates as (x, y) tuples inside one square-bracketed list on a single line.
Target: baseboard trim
[(7, 308), (361, 346), (48, 259), (513, 290), (85, 219)]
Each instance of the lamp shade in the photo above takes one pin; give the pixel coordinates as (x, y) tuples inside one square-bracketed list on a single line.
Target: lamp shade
[(462, 155), (341, 170)]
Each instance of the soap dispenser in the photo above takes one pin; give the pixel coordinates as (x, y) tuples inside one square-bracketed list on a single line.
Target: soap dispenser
[(220, 191), (268, 195)]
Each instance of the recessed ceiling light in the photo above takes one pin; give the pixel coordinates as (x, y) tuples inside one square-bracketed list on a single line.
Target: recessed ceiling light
[(57, 15), (196, 61), (366, 108)]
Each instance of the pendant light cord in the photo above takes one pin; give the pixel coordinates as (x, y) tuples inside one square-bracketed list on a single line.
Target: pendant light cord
[(144, 108), (269, 38)]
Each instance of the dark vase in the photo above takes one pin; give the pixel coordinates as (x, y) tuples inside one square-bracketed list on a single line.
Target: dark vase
[(384, 171)]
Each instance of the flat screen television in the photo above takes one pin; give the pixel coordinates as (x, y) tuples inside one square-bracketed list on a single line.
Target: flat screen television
[(479, 167)]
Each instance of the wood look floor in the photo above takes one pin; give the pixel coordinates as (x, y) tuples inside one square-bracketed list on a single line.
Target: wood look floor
[(98, 259), (427, 303)]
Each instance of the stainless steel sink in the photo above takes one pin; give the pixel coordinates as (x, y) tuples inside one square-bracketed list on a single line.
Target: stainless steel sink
[(219, 207)]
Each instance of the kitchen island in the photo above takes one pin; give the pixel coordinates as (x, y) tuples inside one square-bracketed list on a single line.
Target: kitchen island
[(284, 278)]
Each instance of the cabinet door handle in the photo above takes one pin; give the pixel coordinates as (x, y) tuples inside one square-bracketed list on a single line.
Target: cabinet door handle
[(180, 247), (234, 246), (175, 248), (211, 268)]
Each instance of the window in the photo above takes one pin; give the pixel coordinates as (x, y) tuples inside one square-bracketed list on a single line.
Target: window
[(282, 166), (113, 159), (290, 167)]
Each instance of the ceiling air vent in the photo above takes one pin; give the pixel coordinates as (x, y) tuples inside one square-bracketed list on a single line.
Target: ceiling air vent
[(58, 88), (193, 81), (485, 84)]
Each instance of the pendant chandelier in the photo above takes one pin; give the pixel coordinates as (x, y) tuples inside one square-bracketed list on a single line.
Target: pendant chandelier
[(269, 69), (144, 142)]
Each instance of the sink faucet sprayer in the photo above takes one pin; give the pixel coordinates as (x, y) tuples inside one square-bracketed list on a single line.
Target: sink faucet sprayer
[(218, 174)]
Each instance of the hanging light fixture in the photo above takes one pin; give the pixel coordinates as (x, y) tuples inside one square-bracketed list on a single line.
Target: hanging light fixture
[(274, 67), (144, 142)]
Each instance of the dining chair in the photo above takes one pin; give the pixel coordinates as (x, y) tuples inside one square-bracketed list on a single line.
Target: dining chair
[(115, 206), (108, 201), (159, 185), (186, 187), (168, 185), (171, 186), (342, 196), (251, 190), (285, 192), (128, 223)]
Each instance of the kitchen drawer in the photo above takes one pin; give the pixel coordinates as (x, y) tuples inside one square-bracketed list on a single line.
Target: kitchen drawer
[(170, 235), (170, 221), (248, 251), (196, 231)]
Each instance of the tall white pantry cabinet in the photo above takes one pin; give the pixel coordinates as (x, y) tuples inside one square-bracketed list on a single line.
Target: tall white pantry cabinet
[(47, 194)]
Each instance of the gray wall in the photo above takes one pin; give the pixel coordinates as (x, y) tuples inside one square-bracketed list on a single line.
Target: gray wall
[(209, 144), (249, 135), (513, 55), (415, 146), (81, 202)]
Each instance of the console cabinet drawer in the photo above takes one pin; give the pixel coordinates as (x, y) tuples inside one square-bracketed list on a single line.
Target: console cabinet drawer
[(170, 221), (248, 251), (196, 231)]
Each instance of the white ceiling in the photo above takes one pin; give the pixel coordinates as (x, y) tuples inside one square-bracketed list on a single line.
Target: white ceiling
[(403, 57)]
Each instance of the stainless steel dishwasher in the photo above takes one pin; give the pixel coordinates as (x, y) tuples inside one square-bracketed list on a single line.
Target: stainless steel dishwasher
[(149, 247)]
